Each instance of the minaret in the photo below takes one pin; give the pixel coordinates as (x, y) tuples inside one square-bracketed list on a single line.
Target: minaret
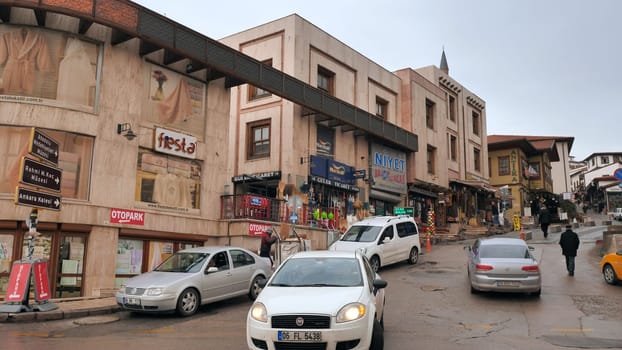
[(444, 66)]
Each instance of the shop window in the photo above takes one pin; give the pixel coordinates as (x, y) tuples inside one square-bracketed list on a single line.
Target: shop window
[(70, 266), (129, 260), (75, 155), (504, 166), (256, 92), (325, 80), (158, 252), (259, 139), (168, 181), (7, 240)]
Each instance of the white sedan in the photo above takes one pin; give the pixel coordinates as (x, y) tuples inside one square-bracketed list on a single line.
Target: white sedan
[(319, 300), (193, 277)]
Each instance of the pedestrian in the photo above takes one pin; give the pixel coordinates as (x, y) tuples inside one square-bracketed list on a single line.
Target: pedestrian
[(267, 240), (545, 220), (569, 242)]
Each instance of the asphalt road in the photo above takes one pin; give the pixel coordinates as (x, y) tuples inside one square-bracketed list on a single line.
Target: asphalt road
[(429, 306)]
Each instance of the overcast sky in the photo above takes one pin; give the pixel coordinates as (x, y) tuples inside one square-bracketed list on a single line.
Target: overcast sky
[(544, 67)]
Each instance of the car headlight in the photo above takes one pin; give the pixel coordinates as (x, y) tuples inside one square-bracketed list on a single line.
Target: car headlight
[(154, 291), (259, 312), (351, 312)]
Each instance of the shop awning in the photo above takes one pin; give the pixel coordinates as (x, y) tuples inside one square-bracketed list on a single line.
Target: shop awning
[(480, 185)]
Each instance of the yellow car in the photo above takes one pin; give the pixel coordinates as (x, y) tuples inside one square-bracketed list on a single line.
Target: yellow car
[(611, 266)]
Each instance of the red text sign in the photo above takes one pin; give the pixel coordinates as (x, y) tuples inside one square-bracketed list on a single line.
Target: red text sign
[(42, 283), (126, 216), (17, 290), (255, 229)]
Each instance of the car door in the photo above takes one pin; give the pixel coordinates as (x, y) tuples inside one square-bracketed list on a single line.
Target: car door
[(473, 256), (218, 284), (242, 271), (390, 249)]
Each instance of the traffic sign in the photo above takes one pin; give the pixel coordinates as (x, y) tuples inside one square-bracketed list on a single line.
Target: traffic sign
[(43, 146), (37, 199), (618, 174), (40, 175)]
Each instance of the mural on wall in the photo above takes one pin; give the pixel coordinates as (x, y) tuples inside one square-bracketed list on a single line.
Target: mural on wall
[(176, 101), (47, 67)]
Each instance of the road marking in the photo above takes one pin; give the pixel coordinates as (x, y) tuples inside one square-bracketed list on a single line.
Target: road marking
[(571, 330), (159, 330), (38, 335)]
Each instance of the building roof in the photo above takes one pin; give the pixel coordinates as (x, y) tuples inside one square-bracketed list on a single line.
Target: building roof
[(540, 144)]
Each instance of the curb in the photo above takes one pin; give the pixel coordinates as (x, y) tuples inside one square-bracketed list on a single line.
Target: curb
[(58, 314)]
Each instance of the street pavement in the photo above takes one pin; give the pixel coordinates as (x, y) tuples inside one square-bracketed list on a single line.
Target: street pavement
[(92, 310)]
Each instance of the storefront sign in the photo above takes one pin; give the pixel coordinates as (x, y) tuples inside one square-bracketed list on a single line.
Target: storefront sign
[(388, 169), (171, 142), (332, 170), (255, 229), (42, 282), (40, 175), (43, 146), (325, 140), (404, 211), (270, 175), (126, 216), (325, 181), (17, 289)]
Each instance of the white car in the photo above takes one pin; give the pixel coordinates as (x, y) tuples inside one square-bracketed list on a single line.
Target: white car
[(383, 239), (319, 300), (617, 214), (192, 277)]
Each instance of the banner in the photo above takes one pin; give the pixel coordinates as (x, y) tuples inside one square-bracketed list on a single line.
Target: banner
[(17, 289)]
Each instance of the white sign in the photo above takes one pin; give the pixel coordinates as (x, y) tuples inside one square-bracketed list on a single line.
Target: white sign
[(171, 142)]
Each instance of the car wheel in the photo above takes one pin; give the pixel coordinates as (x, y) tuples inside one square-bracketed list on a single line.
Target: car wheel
[(375, 263), (413, 257), (609, 274), (255, 289), (188, 302), (537, 293), (377, 337)]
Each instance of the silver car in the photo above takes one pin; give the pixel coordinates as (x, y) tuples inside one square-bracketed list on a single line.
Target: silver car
[(193, 277), (503, 265)]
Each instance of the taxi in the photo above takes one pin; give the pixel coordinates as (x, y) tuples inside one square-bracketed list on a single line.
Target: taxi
[(611, 266)]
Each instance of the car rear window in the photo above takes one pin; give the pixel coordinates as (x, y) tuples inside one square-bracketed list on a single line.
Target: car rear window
[(504, 251)]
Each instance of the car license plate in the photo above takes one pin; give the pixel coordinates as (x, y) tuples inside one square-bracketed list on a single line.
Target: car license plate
[(293, 336), (508, 283), (131, 301)]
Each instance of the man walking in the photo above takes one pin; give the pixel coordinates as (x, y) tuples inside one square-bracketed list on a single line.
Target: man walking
[(545, 220), (569, 242)]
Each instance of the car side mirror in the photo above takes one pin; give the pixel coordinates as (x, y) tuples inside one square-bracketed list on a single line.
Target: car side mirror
[(379, 283), (386, 240), (531, 249), (211, 269)]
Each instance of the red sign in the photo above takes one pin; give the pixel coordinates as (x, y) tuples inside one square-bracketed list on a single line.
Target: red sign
[(255, 229), (17, 290), (42, 283), (126, 216)]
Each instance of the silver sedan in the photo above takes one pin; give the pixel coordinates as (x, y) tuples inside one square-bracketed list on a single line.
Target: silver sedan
[(503, 265), (193, 277)]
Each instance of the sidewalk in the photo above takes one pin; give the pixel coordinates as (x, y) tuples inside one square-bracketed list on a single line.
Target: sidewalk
[(67, 309)]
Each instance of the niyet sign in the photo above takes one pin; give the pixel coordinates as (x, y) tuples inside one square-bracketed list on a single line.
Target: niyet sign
[(17, 288), (255, 229), (126, 216), (171, 142)]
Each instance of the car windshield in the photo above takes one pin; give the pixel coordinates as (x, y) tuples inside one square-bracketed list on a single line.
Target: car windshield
[(183, 262), (319, 272), (360, 233), (504, 251)]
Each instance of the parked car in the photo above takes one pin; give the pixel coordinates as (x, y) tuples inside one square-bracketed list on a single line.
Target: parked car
[(503, 265), (383, 239), (611, 266), (617, 214), (193, 277), (319, 300)]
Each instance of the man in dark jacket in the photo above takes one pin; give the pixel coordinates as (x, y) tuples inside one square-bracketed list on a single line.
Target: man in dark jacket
[(569, 242), (545, 220), (267, 239)]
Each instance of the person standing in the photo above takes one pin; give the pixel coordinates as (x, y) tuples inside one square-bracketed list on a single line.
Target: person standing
[(569, 242), (267, 240), (545, 220)]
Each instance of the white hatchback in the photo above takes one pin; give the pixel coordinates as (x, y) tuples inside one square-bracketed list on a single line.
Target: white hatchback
[(319, 300), (383, 239)]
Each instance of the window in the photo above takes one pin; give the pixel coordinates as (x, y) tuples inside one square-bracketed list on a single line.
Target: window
[(405, 229), (504, 166), (431, 155), (476, 160), (476, 122), (241, 258), (255, 92), (429, 114), (604, 160), (452, 108), (453, 147), (325, 80), (381, 108), (7, 240), (259, 139)]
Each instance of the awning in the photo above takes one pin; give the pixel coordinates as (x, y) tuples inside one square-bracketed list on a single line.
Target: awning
[(422, 192), (385, 196), (480, 185)]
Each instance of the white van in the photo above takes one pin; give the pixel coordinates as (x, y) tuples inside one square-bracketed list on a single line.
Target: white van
[(383, 239)]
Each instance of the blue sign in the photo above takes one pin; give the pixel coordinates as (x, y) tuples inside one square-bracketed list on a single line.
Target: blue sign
[(293, 218), (618, 174)]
